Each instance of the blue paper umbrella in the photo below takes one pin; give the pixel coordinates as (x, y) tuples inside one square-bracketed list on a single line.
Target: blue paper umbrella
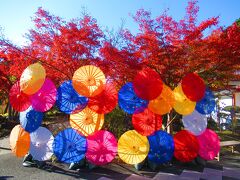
[(207, 104), (129, 101), (161, 147), (69, 146), (68, 100), (30, 119)]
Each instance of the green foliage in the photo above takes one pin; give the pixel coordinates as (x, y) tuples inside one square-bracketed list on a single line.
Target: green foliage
[(117, 122), (4, 116), (53, 112), (212, 125), (238, 21), (235, 109), (177, 125)]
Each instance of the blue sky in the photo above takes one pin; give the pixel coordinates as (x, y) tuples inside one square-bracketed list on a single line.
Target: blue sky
[(15, 15)]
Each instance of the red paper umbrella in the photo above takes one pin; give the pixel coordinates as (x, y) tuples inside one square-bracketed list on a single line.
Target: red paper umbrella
[(193, 87), (19, 101), (106, 101), (146, 122), (147, 84), (101, 147), (186, 146)]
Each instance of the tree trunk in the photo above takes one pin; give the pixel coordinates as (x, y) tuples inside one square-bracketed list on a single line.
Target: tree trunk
[(9, 112), (170, 120), (168, 125), (6, 108)]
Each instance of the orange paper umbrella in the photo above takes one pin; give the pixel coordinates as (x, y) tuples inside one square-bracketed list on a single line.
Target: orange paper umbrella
[(163, 103), (19, 101), (87, 121), (146, 122), (147, 84), (32, 78), (193, 87), (19, 141), (133, 148), (182, 104), (88, 80), (104, 102)]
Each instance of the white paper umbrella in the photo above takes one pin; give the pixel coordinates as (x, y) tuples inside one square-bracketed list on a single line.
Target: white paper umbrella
[(195, 123), (41, 147)]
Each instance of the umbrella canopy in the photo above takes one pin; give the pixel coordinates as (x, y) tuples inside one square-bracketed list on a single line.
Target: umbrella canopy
[(87, 121), (193, 86), (196, 123), (19, 141), (129, 101), (45, 98), (41, 147), (186, 146), (161, 147), (133, 148), (146, 122), (102, 147), (32, 78), (164, 103), (30, 119), (182, 104), (89, 80), (209, 144), (68, 100), (207, 104), (147, 84), (19, 100), (104, 102), (69, 146)]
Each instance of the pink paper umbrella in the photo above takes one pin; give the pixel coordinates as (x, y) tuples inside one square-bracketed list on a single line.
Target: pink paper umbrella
[(209, 144), (45, 98), (101, 147)]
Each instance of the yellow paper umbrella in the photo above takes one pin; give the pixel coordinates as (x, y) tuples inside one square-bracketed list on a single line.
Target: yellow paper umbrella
[(182, 105), (163, 103), (87, 121), (19, 141), (133, 148), (88, 81), (32, 78)]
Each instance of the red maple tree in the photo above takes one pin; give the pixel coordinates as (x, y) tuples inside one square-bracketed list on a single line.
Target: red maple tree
[(174, 48)]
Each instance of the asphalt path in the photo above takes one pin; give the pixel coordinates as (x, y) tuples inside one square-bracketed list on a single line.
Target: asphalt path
[(11, 168)]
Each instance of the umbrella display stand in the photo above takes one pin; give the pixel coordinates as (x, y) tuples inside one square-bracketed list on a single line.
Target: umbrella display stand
[(79, 141)]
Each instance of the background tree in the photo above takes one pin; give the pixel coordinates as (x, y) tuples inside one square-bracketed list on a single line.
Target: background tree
[(175, 48)]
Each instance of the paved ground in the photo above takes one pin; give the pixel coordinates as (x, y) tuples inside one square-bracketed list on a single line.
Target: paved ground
[(11, 168)]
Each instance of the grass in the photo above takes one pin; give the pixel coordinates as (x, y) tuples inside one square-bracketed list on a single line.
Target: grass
[(228, 136)]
